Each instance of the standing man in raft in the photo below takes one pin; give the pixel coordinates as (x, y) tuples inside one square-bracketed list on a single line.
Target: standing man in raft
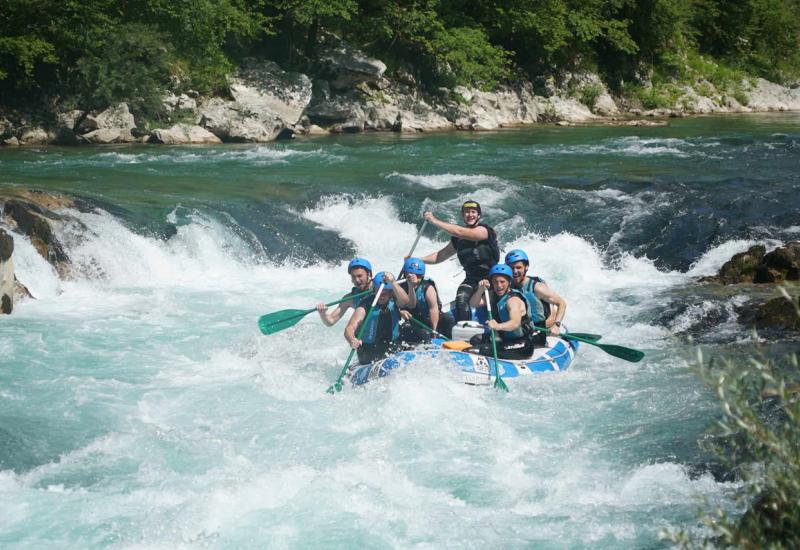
[(476, 246)]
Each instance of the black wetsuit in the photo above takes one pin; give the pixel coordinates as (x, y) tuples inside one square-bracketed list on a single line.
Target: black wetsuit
[(477, 257)]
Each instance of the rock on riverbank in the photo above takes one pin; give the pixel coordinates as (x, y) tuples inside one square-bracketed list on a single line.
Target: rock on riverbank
[(349, 91)]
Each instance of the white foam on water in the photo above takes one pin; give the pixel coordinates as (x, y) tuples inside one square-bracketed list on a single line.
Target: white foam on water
[(214, 435), (445, 181), (32, 270), (710, 262)]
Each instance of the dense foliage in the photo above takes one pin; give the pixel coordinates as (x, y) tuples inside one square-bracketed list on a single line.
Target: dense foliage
[(92, 52), (757, 438)]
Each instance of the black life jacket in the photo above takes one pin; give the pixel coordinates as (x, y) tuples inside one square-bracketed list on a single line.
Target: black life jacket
[(477, 257)]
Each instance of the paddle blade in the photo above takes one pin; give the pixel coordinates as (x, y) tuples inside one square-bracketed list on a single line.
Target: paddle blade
[(626, 354), (500, 384), (274, 322)]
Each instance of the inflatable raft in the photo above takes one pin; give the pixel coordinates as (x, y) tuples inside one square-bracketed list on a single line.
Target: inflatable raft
[(475, 369)]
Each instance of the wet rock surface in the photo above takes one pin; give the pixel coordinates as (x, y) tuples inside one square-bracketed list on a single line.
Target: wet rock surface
[(32, 214), (7, 293)]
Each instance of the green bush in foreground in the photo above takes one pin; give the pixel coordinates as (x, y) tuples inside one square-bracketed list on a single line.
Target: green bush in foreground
[(759, 439)]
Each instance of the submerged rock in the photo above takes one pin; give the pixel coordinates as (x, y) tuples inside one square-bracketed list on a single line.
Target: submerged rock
[(779, 313)]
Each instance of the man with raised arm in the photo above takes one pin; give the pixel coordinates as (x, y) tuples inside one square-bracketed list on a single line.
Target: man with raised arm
[(360, 271), (475, 244)]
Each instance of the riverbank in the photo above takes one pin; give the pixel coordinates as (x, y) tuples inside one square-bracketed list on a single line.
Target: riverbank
[(353, 94)]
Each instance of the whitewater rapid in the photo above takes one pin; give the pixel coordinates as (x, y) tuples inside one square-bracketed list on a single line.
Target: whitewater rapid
[(205, 433), (141, 408)]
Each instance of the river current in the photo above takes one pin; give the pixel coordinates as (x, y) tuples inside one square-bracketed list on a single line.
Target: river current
[(140, 407)]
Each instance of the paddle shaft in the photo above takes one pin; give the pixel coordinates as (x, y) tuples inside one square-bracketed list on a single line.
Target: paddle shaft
[(312, 310), (338, 384), (426, 327), (498, 382)]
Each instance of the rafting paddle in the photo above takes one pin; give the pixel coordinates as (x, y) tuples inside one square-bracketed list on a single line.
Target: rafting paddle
[(626, 354), (426, 327), (337, 386), (585, 335), (285, 318), (498, 382)]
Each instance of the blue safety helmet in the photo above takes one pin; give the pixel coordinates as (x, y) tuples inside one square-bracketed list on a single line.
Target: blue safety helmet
[(377, 281), (415, 266), (359, 262), (501, 269), (517, 255)]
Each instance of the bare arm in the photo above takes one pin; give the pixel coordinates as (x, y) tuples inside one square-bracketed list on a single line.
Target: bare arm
[(330, 318), (477, 297), (545, 293), (440, 256), (433, 306), (516, 309), (400, 295), (470, 233), (352, 325)]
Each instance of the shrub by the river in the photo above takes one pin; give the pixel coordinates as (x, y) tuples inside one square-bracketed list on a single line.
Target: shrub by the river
[(758, 439)]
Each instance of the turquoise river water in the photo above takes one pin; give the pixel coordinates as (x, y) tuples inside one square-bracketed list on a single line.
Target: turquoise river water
[(140, 407)]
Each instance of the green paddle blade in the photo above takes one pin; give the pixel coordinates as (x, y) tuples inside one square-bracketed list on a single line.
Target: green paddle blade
[(627, 354), (279, 320)]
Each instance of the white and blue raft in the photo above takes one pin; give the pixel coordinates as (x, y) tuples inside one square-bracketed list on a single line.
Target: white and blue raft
[(475, 369)]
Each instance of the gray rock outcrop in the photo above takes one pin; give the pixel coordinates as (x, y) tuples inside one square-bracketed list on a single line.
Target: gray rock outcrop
[(346, 67), (35, 136), (114, 125), (180, 134), (768, 96), (34, 220), (266, 102)]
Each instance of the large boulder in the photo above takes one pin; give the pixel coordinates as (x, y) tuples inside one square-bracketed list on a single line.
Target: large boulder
[(555, 109), (114, 125), (183, 134), (7, 289), (768, 96), (35, 136), (479, 110), (265, 87), (267, 101), (35, 221), (741, 268), (756, 266), (346, 67), (782, 264), (171, 103)]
